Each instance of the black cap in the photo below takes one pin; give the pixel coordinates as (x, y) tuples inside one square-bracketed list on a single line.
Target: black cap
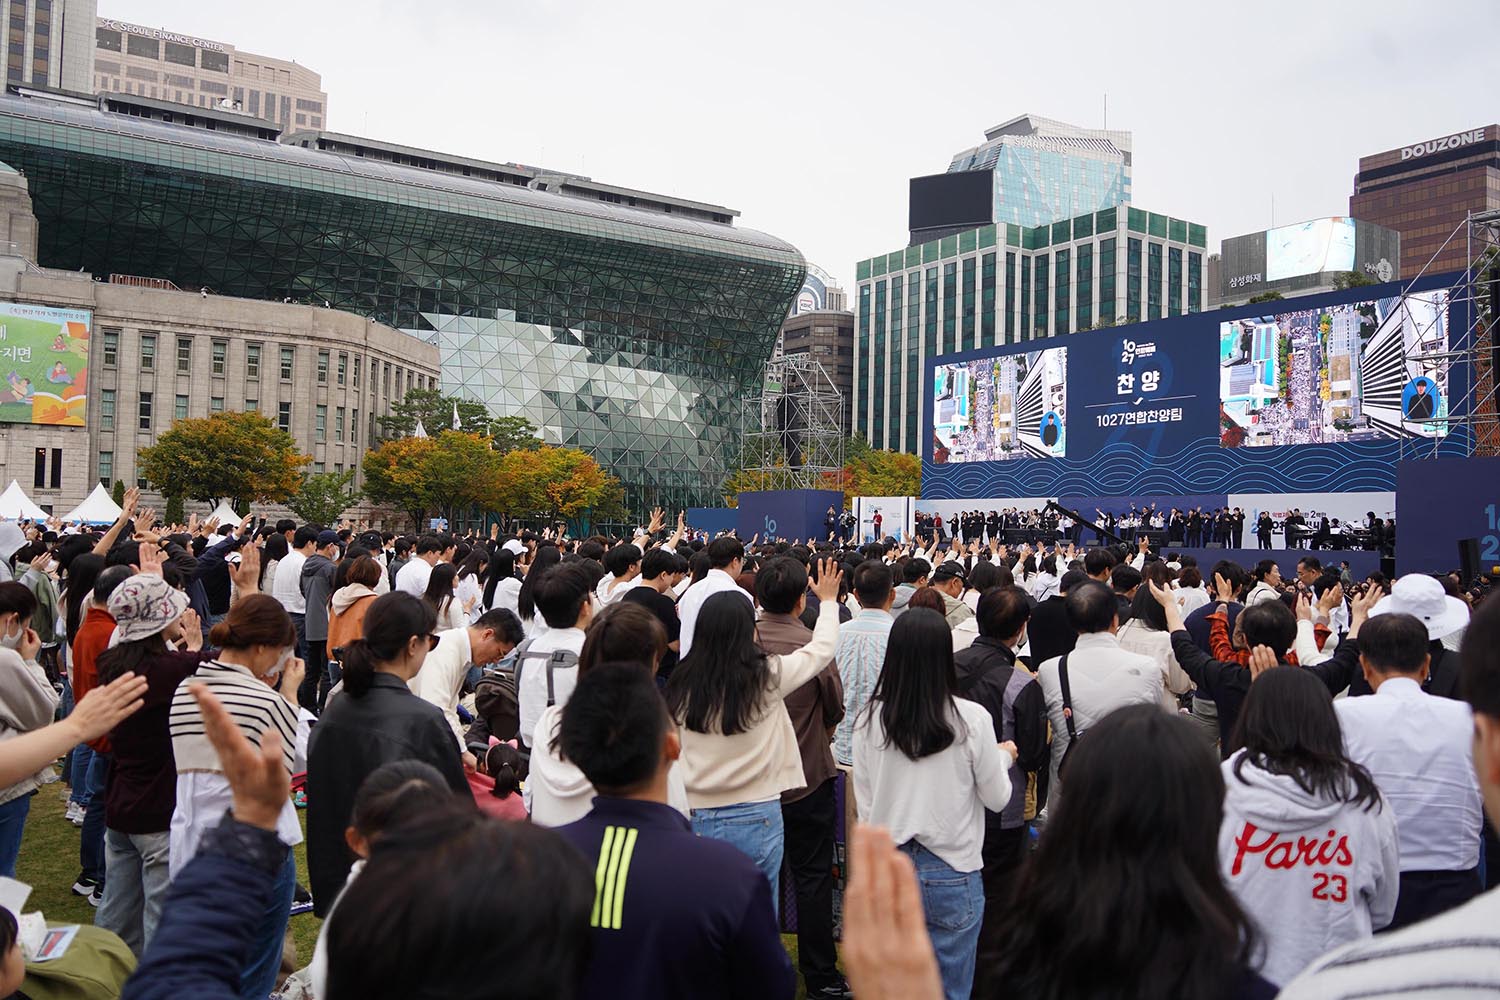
[(948, 571)]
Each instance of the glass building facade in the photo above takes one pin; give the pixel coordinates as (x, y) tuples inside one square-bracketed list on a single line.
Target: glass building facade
[(1098, 269), (632, 335)]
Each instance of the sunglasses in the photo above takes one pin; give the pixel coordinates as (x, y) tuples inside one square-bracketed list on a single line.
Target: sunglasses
[(432, 641)]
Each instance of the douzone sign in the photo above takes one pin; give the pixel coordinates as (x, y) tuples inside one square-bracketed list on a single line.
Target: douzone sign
[(1447, 142)]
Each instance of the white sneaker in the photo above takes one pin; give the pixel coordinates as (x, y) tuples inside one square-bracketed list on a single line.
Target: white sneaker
[(75, 813)]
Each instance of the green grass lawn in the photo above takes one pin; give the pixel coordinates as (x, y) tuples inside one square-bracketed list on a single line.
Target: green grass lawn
[(49, 864)]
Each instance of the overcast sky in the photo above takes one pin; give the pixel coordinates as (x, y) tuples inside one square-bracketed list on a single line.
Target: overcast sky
[(809, 117)]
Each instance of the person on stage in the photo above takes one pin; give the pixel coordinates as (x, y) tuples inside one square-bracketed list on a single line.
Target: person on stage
[(1263, 528)]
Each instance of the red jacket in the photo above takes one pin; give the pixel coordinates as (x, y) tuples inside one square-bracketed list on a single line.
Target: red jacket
[(92, 639)]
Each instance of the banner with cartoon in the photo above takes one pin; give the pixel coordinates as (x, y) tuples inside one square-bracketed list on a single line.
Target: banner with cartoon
[(44, 359)]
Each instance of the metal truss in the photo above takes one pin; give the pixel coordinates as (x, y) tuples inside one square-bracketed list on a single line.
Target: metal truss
[(794, 434)]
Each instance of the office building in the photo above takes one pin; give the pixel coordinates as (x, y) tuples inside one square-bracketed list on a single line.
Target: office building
[(1009, 284), (828, 336), (155, 354), (50, 43), (632, 332), (1424, 191), (168, 66), (1303, 259)]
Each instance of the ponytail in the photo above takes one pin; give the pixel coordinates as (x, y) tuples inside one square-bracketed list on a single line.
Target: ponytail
[(390, 623), (503, 763)]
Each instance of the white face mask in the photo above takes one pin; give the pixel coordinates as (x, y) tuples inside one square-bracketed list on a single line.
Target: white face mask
[(274, 672), (13, 641)]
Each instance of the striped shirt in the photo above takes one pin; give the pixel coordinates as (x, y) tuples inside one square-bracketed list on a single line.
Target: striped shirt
[(1456, 954), (254, 705)]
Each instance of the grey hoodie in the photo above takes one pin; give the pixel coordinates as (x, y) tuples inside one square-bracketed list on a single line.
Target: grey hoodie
[(1312, 873), (904, 592)]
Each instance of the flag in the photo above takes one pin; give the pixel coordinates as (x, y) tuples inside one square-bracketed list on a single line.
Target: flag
[(457, 425), (420, 432)]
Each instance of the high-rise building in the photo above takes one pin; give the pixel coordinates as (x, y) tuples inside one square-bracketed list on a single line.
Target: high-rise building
[(628, 324), (828, 336), (1007, 284), (183, 69), (1425, 191), (50, 43), (1303, 259), (1044, 170)]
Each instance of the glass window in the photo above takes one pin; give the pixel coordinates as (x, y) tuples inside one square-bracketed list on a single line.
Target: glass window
[(252, 361), (343, 370), (1083, 282), (252, 405), (284, 416), (180, 411), (111, 348), (1025, 299), (1153, 281), (109, 41), (106, 409), (39, 479), (1174, 281), (1010, 297), (1107, 311), (182, 55), (322, 368), (967, 334), (987, 300), (184, 355), (216, 404), (148, 352), (319, 468), (1195, 282), (894, 426), (140, 45), (217, 62), (354, 426), (287, 355), (866, 363), (878, 367), (1062, 291), (338, 423), (107, 468), (56, 482), (357, 360), (1042, 300), (143, 412), (220, 356), (1133, 280), (320, 423), (950, 308)]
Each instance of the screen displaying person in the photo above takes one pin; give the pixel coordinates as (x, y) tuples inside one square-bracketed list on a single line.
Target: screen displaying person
[(1419, 406), (1051, 429)]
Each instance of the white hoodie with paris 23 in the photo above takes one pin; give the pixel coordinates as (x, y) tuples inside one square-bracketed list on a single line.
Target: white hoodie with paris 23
[(1313, 873)]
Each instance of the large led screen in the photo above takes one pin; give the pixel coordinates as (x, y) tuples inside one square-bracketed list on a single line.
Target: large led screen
[(998, 409), (1310, 248)]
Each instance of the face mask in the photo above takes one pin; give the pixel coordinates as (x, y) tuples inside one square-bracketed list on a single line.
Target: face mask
[(13, 641), (274, 672)]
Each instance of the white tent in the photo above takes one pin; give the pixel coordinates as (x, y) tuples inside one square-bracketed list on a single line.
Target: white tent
[(99, 508), (225, 513), (14, 503)]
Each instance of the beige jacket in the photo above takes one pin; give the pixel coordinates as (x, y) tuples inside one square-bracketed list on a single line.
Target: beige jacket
[(757, 765), (27, 702)]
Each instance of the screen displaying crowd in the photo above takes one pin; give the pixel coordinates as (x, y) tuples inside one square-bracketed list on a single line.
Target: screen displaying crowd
[(1002, 408), (528, 765)]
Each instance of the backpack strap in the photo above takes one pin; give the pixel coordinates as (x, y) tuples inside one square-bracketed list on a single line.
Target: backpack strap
[(1067, 698)]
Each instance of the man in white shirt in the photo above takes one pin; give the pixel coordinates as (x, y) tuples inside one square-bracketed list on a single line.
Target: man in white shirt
[(622, 564), (564, 600), (726, 557), (1101, 676), (1458, 953), (412, 578), (441, 678), (1419, 750), (287, 586)]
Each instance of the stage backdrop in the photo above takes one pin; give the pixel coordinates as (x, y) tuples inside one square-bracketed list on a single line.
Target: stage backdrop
[(795, 515), (897, 517), (1443, 502), (1300, 396)]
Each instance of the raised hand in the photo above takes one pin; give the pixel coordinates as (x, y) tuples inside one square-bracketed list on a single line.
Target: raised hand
[(150, 560), (102, 708), (192, 630), (1262, 658), (827, 586), (887, 953), (246, 573)]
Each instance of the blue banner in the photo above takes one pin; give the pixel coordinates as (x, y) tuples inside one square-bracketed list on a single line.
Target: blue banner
[(793, 515)]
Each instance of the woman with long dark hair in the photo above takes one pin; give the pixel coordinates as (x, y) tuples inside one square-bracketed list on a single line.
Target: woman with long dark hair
[(502, 587), (441, 598), (374, 721), (470, 590), (739, 750), (926, 767), (1123, 898), (275, 550), (546, 557), (1307, 845)]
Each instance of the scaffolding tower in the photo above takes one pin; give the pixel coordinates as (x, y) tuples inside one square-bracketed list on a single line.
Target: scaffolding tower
[(1468, 354), (793, 436)]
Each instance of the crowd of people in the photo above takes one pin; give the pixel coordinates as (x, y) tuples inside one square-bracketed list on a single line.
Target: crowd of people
[(539, 766)]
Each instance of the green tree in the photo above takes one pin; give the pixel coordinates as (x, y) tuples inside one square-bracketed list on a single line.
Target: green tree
[(1351, 279), (509, 434), (242, 456), (323, 496), (118, 493), (1264, 297), (172, 512), (396, 473), (554, 483), (880, 474)]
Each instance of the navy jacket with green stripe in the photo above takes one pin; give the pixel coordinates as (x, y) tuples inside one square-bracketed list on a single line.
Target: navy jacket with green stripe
[(675, 915)]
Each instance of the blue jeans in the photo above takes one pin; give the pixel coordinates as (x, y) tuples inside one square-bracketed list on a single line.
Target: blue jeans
[(91, 843), (756, 829), (80, 760), (953, 903), (12, 826), (259, 977), (136, 883)]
